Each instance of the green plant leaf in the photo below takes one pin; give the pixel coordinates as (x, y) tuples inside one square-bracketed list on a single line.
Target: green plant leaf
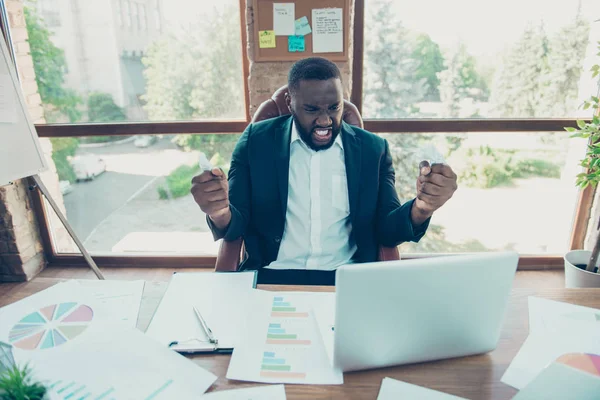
[(570, 129), (581, 124)]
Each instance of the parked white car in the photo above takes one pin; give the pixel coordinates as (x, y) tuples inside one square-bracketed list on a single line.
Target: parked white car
[(87, 167), (65, 187), (144, 141)]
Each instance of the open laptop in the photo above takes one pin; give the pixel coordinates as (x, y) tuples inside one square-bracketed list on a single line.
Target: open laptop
[(400, 312)]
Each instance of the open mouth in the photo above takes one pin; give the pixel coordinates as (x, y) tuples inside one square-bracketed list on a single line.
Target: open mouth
[(322, 135)]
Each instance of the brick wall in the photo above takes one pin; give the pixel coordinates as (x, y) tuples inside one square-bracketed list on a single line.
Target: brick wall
[(266, 77), (21, 253)]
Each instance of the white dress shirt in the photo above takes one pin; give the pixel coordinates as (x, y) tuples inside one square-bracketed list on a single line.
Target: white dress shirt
[(317, 221)]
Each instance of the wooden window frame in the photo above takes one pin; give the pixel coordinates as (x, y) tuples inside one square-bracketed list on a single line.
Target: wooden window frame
[(394, 126)]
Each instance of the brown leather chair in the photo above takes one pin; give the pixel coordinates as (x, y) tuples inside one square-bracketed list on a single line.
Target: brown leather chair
[(231, 252)]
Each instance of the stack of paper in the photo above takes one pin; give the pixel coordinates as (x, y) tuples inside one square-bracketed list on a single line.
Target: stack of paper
[(284, 342), (221, 299), (555, 329)]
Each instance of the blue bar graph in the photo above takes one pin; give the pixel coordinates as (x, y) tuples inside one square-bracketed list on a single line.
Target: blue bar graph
[(277, 299), (160, 389), (85, 396), (105, 394), (274, 325), (65, 388), (268, 354), (281, 304), (271, 330), (75, 392), (275, 361)]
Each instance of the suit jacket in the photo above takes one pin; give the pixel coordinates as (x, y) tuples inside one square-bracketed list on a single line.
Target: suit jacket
[(258, 193)]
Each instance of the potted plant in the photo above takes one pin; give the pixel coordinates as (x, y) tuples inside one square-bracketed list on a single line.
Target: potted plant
[(581, 266), (16, 383)]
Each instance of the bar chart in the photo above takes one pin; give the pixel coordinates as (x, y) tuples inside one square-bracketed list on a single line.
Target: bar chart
[(277, 367), (276, 334), (71, 390), (283, 308)]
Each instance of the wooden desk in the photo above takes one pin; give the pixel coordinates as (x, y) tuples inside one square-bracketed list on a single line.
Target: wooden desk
[(475, 378)]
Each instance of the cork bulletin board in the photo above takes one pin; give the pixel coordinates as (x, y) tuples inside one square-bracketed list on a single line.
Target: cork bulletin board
[(279, 48)]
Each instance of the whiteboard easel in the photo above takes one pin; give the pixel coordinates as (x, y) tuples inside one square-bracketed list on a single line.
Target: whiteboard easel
[(21, 155)]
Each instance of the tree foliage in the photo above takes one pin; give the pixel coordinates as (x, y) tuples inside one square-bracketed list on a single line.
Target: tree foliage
[(50, 65)]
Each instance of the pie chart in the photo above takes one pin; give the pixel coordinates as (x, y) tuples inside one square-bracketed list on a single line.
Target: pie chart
[(51, 326)]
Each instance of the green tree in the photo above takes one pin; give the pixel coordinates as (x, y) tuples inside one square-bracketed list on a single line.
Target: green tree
[(49, 65), (393, 87), (567, 51), (460, 81), (520, 81), (197, 75), (432, 63), (102, 108)]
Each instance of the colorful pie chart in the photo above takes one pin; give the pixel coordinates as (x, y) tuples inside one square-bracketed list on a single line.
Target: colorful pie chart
[(51, 326)]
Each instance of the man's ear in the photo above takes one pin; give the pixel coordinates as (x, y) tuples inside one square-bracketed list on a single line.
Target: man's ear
[(288, 101)]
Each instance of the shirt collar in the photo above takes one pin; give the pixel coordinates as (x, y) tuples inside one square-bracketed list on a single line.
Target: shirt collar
[(296, 137)]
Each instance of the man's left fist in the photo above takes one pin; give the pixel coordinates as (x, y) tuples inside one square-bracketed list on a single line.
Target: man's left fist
[(435, 186)]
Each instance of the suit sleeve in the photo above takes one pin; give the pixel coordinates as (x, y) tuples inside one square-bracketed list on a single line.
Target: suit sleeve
[(394, 225), (239, 192)]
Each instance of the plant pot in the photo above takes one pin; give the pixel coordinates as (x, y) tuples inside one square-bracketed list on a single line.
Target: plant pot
[(576, 277)]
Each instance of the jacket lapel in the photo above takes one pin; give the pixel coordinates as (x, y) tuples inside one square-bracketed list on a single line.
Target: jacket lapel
[(352, 159), (282, 160)]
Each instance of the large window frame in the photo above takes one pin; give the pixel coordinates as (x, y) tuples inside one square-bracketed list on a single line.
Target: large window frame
[(395, 126)]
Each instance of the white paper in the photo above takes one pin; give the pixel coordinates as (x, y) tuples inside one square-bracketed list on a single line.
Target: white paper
[(8, 100), (328, 30), (284, 21), (57, 316), (120, 299), (392, 389), (282, 343), (547, 315), (219, 297), (271, 392), (123, 364), (542, 348)]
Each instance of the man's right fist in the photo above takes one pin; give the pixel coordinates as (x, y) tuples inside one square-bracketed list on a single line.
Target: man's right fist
[(211, 191)]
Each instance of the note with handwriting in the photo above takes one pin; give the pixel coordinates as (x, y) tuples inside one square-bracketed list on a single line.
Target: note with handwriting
[(302, 27), (270, 392), (328, 31), (392, 389), (296, 44), (8, 101), (284, 19), (266, 39)]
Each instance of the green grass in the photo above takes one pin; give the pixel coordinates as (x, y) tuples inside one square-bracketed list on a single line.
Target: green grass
[(179, 182)]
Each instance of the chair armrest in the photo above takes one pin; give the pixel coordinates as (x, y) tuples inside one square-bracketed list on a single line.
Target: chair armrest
[(228, 258), (388, 253)]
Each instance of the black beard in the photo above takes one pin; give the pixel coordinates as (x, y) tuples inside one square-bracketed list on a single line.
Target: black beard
[(307, 136)]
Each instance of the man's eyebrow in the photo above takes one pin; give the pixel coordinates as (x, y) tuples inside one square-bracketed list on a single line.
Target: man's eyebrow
[(310, 105)]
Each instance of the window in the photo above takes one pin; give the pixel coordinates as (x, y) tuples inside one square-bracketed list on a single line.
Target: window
[(516, 190), (136, 16), (157, 17), (476, 59)]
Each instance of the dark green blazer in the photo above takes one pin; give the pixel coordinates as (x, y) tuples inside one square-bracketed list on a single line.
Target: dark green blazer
[(258, 193)]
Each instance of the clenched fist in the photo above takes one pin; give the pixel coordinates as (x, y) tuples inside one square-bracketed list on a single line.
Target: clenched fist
[(211, 191)]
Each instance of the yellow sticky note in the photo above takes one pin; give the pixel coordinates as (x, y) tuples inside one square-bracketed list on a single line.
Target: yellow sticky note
[(266, 39)]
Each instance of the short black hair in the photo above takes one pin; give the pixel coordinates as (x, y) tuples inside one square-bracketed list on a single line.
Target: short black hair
[(312, 68)]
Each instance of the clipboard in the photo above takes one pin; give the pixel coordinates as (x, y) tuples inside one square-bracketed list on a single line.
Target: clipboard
[(220, 299)]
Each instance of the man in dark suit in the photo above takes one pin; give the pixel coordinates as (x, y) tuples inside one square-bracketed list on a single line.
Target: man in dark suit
[(309, 193)]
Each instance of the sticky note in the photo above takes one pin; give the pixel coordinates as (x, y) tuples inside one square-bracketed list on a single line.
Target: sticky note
[(295, 43), (283, 18), (266, 39), (302, 27)]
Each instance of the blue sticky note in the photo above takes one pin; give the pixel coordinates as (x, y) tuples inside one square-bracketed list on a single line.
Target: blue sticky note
[(295, 43), (302, 27)]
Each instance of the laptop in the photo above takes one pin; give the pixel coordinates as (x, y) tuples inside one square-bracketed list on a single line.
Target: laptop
[(408, 311)]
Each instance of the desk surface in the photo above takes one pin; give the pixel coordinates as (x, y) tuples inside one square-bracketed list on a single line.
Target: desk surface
[(475, 378)]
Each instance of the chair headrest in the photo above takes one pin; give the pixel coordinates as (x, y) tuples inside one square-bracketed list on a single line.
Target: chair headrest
[(276, 107)]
